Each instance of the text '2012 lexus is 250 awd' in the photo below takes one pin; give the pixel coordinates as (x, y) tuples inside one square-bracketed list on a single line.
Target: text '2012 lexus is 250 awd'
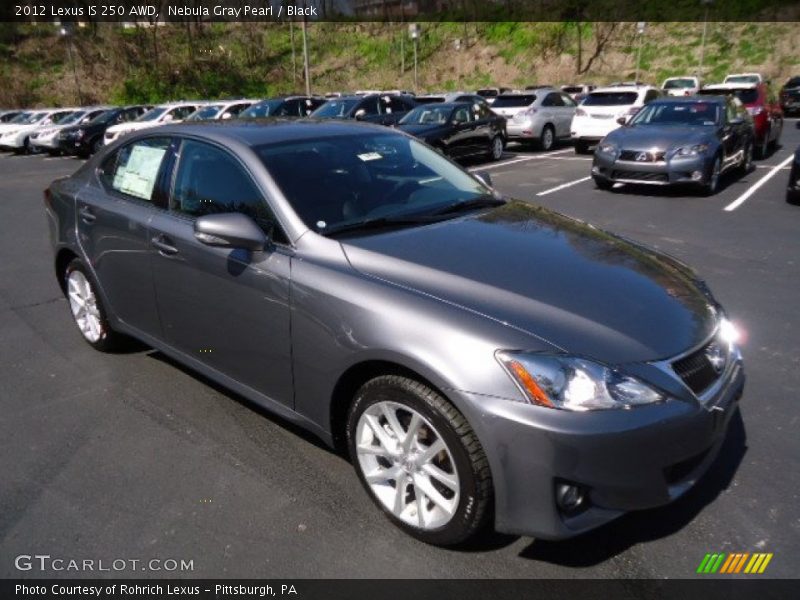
[(482, 359)]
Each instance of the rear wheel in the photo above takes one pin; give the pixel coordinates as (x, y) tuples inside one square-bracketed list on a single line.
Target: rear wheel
[(97, 144), (496, 147), (581, 147), (763, 147), (419, 460), (548, 138), (747, 159), (87, 308)]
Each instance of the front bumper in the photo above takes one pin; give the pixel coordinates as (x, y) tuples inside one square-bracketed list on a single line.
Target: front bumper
[(625, 459), (675, 170), (12, 142)]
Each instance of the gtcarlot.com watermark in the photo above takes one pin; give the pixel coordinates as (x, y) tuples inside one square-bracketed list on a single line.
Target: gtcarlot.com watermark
[(44, 563)]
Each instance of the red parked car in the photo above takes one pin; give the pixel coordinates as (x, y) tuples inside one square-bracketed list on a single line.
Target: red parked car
[(763, 107)]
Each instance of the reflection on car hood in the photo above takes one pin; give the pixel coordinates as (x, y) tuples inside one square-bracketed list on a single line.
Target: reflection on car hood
[(416, 129), (656, 137), (582, 289)]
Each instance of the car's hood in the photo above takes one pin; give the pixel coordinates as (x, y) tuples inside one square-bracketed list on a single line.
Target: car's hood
[(654, 137), (583, 290), (420, 130)]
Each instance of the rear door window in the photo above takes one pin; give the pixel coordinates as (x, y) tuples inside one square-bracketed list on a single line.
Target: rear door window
[(133, 169)]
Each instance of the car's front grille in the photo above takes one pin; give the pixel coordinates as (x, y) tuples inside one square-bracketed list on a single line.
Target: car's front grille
[(698, 370), (640, 156), (640, 176)]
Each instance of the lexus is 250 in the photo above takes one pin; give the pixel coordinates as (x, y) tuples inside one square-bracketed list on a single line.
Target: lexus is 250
[(481, 359)]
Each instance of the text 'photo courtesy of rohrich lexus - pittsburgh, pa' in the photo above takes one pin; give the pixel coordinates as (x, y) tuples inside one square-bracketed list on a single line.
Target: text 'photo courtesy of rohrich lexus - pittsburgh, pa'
[(485, 362)]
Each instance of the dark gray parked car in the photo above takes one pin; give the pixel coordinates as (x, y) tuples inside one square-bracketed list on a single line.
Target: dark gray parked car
[(677, 141), (481, 358)]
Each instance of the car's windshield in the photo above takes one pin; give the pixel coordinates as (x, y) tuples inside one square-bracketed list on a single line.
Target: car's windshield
[(265, 108), (152, 114), (205, 113), (427, 115), (514, 101), (746, 95), (742, 79), (610, 99), (21, 118), (31, 118), (673, 84), (681, 114), (71, 118), (336, 108), (340, 180)]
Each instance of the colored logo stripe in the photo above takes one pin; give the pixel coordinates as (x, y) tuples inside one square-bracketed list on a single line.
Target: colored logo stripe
[(734, 563)]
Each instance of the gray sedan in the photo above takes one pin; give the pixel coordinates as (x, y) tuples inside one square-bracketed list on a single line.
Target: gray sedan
[(480, 359), (677, 141)]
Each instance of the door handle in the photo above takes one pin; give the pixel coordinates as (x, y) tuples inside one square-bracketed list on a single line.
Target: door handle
[(87, 216), (165, 248)]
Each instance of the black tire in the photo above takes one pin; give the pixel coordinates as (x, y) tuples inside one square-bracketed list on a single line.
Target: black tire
[(581, 147), (109, 339), (470, 463), (547, 140), (603, 184), (97, 145), (711, 184), (764, 146), (496, 148), (747, 159)]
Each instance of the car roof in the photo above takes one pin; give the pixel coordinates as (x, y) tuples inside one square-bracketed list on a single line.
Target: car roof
[(255, 132), (731, 86)]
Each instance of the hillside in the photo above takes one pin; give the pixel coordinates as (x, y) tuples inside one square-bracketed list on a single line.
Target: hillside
[(191, 60)]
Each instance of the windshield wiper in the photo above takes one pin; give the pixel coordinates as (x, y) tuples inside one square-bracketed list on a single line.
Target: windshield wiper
[(379, 223), (483, 201)]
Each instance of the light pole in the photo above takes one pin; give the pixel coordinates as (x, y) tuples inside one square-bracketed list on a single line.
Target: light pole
[(66, 32), (414, 32), (640, 27), (705, 3), (305, 54)]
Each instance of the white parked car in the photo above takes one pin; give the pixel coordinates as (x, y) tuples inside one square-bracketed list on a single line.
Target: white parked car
[(46, 138), (744, 78), (601, 111), (16, 135), (162, 114), (220, 110), (681, 86), (546, 120)]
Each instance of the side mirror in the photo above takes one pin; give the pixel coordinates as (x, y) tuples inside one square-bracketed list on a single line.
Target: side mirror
[(167, 118), (230, 230), (360, 114), (226, 116), (622, 121), (484, 177)]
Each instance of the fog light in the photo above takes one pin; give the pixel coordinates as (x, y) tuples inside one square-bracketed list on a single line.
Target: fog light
[(569, 497), (697, 175)]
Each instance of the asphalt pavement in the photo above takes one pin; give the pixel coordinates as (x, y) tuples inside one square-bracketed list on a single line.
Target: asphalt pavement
[(132, 457)]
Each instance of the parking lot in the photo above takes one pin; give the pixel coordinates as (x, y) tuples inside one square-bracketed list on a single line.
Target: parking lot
[(132, 456)]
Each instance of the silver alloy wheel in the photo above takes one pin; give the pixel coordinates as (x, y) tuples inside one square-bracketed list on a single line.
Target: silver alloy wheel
[(407, 465), (497, 148), (713, 181), (748, 158), (547, 138), (83, 304)]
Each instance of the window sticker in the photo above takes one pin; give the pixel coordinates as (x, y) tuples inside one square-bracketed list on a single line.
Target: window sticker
[(138, 177), (370, 156)]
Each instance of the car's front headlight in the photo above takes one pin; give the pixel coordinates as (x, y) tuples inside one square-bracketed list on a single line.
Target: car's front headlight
[(80, 133), (694, 150), (572, 383), (607, 148)]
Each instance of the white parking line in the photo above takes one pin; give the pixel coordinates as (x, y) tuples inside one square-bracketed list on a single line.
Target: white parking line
[(564, 185), (743, 198), (521, 159)]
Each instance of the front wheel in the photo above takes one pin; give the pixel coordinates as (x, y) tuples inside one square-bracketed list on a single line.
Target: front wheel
[(603, 184), (712, 180), (419, 460)]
